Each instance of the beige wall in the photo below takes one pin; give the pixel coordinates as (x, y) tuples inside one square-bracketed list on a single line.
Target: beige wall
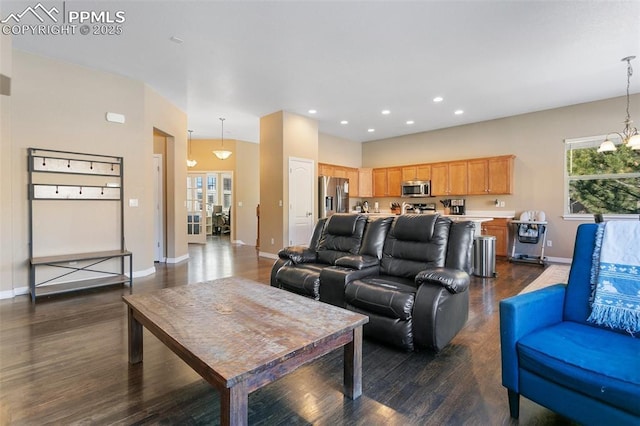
[(339, 151), (246, 192), (7, 259), (244, 163), (537, 141), (162, 115), (283, 135), (57, 105), (271, 182)]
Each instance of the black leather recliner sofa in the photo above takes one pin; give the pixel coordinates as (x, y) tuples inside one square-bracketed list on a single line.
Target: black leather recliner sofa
[(409, 274)]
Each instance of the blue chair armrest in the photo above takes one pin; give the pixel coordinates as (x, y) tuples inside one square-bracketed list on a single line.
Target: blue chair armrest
[(521, 315)]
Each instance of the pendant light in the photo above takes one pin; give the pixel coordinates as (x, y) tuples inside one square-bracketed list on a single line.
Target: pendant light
[(629, 135), (190, 162), (222, 153)]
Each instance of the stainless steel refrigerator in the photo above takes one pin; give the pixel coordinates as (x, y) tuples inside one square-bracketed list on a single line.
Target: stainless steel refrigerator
[(333, 196)]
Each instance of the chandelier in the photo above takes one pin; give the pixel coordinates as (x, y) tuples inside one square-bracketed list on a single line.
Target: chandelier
[(190, 162), (629, 135), (222, 153)]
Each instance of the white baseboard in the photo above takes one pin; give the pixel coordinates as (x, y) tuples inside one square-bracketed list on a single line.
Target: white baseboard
[(177, 259), (9, 294), (267, 255), (138, 274), (238, 242), (559, 259)]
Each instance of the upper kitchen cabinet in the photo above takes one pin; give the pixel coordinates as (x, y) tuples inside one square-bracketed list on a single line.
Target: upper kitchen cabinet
[(354, 178), (417, 172), (449, 178), (492, 175), (365, 182), (325, 169), (387, 182)]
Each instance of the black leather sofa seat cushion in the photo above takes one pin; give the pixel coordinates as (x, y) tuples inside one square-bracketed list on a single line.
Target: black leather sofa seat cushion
[(304, 279), (391, 297), (342, 236), (415, 243)]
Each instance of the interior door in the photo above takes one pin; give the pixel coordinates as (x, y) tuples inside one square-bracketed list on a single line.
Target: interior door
[(301, 196), (196, 211)]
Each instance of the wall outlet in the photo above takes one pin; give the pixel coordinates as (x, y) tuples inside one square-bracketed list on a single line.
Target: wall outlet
[(273, 241), (549, 243), (501, 203)]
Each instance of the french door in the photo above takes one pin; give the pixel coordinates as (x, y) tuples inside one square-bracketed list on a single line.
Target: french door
[(196, 208)]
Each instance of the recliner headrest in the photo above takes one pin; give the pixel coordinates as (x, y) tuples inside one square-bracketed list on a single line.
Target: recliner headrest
[(415, 227), (341, 224)]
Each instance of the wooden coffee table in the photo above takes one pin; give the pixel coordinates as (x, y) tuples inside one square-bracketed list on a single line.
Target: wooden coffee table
[(240, 335)]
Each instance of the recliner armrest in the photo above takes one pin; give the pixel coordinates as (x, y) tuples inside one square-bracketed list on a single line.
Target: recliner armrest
[(357, 261), (521, 315), (298, 254), (454, 280)]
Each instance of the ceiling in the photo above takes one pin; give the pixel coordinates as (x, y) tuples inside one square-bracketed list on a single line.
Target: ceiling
[(351, 60)]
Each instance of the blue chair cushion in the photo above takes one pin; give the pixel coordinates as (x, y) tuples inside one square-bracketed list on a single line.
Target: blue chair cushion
[(589, 360)]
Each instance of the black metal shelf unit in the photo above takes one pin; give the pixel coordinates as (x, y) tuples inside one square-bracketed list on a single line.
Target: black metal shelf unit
[(78, 185)]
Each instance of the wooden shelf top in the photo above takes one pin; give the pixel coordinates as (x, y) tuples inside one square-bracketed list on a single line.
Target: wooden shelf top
[(42, 260)]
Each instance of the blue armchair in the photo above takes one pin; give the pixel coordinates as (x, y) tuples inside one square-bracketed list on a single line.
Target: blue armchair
[(554, 357)]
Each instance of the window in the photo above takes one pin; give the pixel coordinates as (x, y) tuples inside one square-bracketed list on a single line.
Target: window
[(607, 182)]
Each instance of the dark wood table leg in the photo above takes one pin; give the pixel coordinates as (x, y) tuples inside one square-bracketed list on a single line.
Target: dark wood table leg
[(353, 365), (234, 405), (135, 339)]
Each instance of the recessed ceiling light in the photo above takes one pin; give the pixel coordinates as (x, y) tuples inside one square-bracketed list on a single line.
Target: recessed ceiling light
[(386, 112), (176, 40), (410, 121), (312, 111), (344, 122), (459, 112), (371, 130), (438, 99)]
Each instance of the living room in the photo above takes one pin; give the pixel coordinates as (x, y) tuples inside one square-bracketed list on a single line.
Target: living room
[(56, 103)]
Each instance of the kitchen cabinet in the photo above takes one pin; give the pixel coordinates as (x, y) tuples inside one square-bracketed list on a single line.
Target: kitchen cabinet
[(449, 178), (354, 178), (365, 182), (416, 172), (499, 228), (339, 172), (387, 182), (492, 175), (325, 169)]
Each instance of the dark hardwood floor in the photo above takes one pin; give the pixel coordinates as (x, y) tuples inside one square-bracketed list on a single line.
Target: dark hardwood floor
[(64, 361)]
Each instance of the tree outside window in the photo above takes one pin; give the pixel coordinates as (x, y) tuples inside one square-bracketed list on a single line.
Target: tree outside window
[(607, 182)]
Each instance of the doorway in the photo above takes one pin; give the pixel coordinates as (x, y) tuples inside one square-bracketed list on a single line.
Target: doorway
[(209, 201), (162, 142)]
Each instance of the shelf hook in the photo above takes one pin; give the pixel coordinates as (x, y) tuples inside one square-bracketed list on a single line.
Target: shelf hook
[(91, 165), (102, 191), (44, 161), (57, 189), (69, 163), (80, 190)]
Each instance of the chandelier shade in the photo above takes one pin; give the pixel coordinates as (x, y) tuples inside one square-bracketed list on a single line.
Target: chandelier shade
[(222, 153), (629, 134)]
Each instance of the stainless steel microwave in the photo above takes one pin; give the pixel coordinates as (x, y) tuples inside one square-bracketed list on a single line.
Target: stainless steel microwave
[(416, 188)]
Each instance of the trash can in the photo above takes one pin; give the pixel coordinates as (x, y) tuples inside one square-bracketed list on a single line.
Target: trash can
[(484, 256)]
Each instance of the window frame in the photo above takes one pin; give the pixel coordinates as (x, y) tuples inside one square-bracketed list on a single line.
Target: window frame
[(590, 141)]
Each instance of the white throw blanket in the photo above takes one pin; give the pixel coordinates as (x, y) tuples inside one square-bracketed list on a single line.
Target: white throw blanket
[(615, 277)]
